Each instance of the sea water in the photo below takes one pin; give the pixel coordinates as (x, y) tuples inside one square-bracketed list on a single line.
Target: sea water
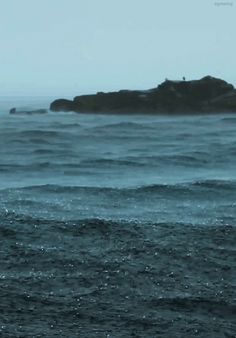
[(117, 226)]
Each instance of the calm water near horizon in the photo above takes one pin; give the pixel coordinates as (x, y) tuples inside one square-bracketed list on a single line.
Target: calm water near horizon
[(117, 226)]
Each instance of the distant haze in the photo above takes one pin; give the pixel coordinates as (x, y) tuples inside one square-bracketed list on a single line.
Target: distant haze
[(69, 47)]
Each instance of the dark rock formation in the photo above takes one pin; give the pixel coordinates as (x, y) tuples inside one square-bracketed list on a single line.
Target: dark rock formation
[(63, 105), (27, 112), (207, 95)]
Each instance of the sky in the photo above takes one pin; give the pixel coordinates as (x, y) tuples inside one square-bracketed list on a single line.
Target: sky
[(71, 47)]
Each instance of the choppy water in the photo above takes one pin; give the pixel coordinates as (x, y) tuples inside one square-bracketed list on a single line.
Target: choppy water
[(117, 226)]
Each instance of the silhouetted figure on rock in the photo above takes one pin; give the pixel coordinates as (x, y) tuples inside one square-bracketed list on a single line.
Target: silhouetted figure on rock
[(12, 111)]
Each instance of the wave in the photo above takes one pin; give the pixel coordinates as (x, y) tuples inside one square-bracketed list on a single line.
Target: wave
[(33, 136), (60, 159), (191, 159), (38, 133), (190, 186), (44, 151), (10, 221), (54, 188), (118, 125), (24, 167), (229, 119), (108, 162), (144, 161), (216, 184), (66, 125), (23, 141), (151, 188)]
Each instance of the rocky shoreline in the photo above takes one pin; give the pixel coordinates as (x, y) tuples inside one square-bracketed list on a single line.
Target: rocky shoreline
[(207, 95)]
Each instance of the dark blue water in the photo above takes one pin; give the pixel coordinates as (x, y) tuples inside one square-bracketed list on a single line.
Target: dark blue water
[(117, 226)]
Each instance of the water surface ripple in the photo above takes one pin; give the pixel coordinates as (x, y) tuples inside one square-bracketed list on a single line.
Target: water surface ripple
[(117, 226)]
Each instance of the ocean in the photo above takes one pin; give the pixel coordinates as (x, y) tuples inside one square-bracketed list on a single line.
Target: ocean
[(117, 226)]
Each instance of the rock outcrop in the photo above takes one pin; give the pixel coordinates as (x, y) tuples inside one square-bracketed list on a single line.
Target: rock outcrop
[(207, 95), (28, 112)]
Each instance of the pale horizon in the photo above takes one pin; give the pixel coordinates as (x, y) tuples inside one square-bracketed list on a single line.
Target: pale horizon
[(67, 48)]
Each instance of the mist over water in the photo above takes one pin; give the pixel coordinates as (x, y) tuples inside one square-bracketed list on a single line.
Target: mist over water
[(117, 226)]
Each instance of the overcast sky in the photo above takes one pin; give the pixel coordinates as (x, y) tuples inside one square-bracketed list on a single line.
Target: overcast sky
[(67, 47)]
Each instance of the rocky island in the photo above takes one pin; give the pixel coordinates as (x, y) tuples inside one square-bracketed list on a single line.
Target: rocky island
[(207, 95), (14, 111)]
